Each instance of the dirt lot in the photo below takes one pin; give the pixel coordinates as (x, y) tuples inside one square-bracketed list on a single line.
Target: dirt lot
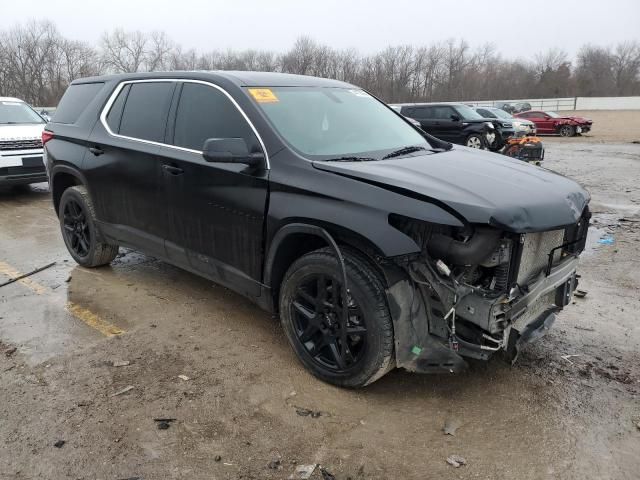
[(610, 125), (569, 409)]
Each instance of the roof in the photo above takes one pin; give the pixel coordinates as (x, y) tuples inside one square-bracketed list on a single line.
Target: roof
[(240, 78), (11, 99)]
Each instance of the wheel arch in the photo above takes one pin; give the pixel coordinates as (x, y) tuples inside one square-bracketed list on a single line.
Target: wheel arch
[(296, 239), (63, 177)]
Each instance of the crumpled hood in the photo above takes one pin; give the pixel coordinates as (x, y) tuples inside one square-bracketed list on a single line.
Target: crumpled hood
[(480, 186), (21, 132)]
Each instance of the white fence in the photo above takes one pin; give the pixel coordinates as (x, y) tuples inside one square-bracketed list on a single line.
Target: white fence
[(571, 103)]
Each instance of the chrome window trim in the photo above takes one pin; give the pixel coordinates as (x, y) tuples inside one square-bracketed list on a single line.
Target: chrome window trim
[(121, 85)]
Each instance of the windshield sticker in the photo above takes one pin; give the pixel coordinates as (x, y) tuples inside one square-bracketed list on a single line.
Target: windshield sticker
[(360, 93), (263, 95)]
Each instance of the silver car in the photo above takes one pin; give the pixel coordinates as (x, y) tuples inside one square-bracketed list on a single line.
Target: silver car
[(521, 126)]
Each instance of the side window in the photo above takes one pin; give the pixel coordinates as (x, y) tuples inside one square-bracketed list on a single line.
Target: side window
[(535, 115), (442, 113), (145, 112), (421, 112), (203, 113), (75, 101), (485, 113), (115, 112)]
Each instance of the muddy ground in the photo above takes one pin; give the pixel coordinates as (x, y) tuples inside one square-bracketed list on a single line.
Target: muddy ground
[(569, 409)]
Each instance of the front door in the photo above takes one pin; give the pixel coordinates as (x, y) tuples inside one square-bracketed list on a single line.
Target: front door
[(215, 210)]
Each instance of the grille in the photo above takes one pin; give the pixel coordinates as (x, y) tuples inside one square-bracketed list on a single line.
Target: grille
[(20, 144), (535, 253)]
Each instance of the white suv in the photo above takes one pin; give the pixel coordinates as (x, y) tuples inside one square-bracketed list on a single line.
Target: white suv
[(20, 143)]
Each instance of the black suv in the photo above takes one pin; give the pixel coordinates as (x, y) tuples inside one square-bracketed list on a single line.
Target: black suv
[(458, 123), (378, 245)]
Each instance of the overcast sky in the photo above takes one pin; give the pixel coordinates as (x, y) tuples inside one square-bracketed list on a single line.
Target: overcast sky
[(518, 28)]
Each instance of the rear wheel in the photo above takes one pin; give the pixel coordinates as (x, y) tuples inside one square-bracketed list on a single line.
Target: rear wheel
[(311, 306), (474, 141), (567, 131), (77, 222)]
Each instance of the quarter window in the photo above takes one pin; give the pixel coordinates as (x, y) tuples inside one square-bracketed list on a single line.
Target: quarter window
[(145, 111), (115, 112), (203, 113)]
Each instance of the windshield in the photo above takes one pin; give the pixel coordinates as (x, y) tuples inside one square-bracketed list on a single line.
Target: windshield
[(17, 112), (468, 113), (327, 123), (502, 114), (553, 114)]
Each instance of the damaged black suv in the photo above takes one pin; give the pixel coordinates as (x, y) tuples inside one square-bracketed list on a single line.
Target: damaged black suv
[(378, 245)]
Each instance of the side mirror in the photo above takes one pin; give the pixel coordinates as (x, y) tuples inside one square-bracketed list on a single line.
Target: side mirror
[(230, 150), (455, 118)]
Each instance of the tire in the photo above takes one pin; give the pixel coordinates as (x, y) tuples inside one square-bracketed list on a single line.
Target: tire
[(567, 131), (78, 226), (315, 338), (474, 141)]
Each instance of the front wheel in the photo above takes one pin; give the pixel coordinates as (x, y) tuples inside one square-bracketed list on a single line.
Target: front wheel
[(354, 354), (78, 225), (474, 141), (567, 131)]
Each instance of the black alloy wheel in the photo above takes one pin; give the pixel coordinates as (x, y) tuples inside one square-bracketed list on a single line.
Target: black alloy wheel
[(320, 327), (76, 228)]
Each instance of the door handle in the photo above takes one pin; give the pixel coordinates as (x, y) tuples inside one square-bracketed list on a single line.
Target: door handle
[(97, 151), (172, 170)]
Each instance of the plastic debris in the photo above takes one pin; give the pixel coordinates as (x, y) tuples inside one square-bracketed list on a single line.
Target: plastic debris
[(124, 390), (306, 412), (303, 472), (326, 475), (59, 444), (164, 423), (606, 240), (183, 377), (450, 426), (580, 293), (456, 461), (567, 357), (121, 363)]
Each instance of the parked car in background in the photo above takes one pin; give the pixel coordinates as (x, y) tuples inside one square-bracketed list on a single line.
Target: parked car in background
[(520, 126), (458, 123), (378, 245), (554, 123), (20, 143), (513, 107)]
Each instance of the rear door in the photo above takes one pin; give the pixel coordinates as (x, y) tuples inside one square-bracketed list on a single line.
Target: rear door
[(450, 123), (123, 168), (215, 210)]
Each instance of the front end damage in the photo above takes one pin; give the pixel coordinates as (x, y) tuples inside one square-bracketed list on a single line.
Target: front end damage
[(476, 291)]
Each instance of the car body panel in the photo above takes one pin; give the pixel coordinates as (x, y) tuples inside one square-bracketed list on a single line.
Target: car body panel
[(21, 153)]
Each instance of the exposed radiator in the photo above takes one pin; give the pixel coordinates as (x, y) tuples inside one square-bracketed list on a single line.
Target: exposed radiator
[(535, 253)]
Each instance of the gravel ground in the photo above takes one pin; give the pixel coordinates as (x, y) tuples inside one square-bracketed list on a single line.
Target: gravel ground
[(568, 409)]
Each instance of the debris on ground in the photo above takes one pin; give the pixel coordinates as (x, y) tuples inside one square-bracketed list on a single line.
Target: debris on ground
[(124, 390), (303, 472), (456, 461), (164, 423), (580, 293), (586, 329), (567, 357), (275, 464), (184, 377), (10, 351), (59, 444), (121, 363), (28, 274), (606, 240), (307, 412), (450, 426), (326, 475), (217, 458), (68, 279)]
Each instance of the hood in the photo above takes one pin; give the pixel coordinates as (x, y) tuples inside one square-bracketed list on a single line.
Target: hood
[(21, 132), (480, 186)]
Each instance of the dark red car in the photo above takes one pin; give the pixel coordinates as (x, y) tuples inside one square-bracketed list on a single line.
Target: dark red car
[(551, 122)]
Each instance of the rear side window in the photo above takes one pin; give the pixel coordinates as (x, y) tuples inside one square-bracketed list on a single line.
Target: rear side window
[(145, 111), (203, 113), (115, 112), (75, 100)]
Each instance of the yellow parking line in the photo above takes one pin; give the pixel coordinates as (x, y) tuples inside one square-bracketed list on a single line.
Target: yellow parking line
[(93, 320), (11, 272), (81, 313)]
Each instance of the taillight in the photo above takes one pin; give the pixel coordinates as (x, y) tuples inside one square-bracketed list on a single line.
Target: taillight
[(46, 136)]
